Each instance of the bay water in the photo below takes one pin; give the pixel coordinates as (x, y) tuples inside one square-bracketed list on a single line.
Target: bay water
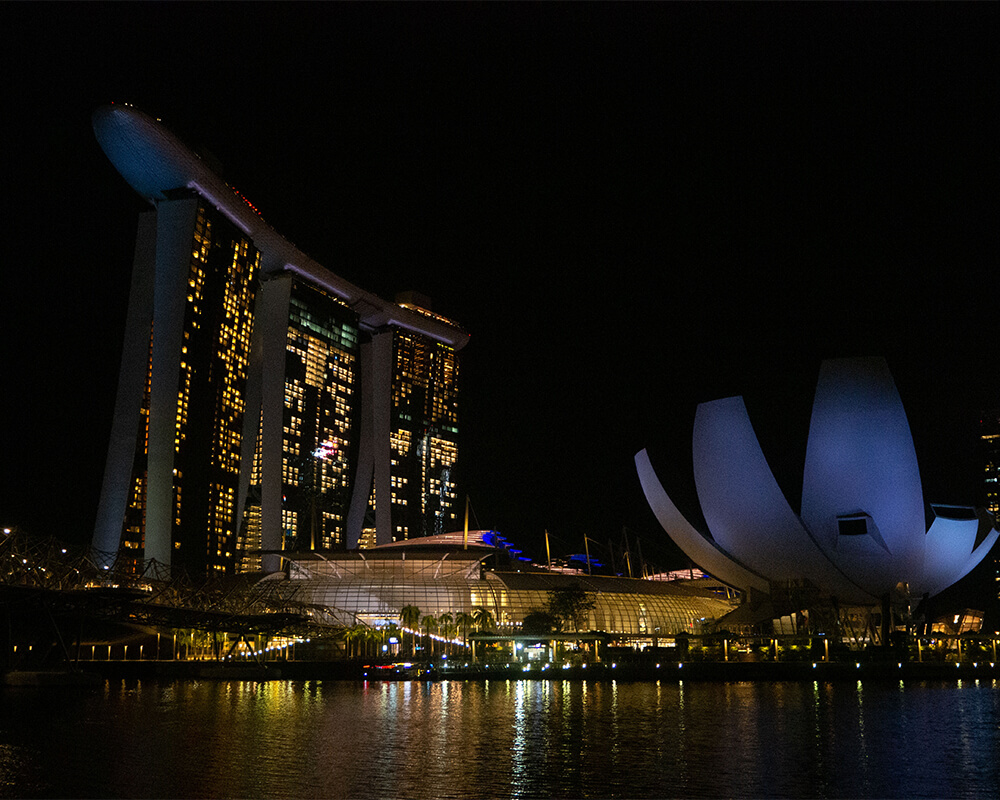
[(501, 739)]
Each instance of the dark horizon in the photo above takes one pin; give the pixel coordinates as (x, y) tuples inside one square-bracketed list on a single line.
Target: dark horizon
[(631, 209)]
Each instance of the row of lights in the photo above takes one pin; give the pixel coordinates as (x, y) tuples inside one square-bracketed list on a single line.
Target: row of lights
[(271, 648), (434, 636), (680, 665)]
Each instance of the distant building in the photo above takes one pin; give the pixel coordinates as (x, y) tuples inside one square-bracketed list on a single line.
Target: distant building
[(264, 403), (989, 438), (968, 620)]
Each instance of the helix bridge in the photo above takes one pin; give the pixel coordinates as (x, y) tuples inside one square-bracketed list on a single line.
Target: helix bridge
[(53, 594)]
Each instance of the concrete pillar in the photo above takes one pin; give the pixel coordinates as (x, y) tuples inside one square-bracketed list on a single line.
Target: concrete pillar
[(381, 406), (374, 452), (131, 386), (273, 321), (174, 231)]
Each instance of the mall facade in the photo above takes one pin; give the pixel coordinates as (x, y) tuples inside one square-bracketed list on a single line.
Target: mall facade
[(459, 573)]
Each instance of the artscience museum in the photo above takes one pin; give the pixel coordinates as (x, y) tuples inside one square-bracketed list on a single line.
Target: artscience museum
[(860, 534)]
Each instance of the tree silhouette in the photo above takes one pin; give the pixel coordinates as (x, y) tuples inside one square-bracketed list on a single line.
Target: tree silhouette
[(483, 619), (569, 606), (356, 634), (409, 617), (539, 622), (465, 622), (447, 629), (429, 623)]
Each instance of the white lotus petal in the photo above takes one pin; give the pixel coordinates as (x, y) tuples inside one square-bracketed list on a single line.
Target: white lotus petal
[(948, 545), (745, 508), (861, 531), (860, 456), (699, 549)]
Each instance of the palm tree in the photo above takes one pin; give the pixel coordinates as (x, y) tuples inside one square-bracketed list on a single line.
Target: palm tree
[(372, 638), (430, 625), (465, 621), (409, 617), (445, 626), (356, 633), (483, 619)]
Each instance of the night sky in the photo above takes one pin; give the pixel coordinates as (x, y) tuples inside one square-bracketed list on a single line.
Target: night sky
[(631, 208)]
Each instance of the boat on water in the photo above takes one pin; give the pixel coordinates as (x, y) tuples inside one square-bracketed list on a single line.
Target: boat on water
[(400, 670)]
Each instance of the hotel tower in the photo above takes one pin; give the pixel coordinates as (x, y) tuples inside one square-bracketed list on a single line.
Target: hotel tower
[(264, 403)]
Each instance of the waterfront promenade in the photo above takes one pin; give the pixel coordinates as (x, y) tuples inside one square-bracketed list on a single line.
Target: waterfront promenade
[(603, 671)]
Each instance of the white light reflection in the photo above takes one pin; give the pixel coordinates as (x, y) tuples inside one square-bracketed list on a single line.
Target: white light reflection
[(520, 756)]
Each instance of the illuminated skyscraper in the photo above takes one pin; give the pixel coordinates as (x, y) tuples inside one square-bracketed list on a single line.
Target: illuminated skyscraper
[(265, 404), (172, 478), (989, 438), (319, 363), (424, 431)]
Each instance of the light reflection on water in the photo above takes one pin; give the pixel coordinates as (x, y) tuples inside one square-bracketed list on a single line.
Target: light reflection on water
[(518, 739)]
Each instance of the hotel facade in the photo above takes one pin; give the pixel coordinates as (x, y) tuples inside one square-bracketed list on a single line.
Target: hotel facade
[(264, 403)]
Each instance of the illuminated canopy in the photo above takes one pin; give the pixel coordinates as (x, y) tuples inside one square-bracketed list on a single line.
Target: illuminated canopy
[(444, 574), (861, 531)]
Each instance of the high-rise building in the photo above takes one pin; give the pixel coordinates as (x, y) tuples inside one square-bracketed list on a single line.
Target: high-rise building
[(989, 438), (173, 466), (989, 441), (421, 374), (264, 404), (319, 365), (424, 431)]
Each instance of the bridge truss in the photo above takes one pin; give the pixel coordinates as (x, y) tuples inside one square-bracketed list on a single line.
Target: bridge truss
[(49, 589)]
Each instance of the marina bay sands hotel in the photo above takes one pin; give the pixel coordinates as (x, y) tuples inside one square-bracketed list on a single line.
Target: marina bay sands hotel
[(264, 403)]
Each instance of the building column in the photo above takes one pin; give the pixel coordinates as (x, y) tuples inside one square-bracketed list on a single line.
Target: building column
[(273, 321), (264, 418), (381, 405), (374, 451), (131, 386), (251, 416), (174, 232)]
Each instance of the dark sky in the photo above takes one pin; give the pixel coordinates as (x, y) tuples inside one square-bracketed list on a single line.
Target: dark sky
[(633, 208)]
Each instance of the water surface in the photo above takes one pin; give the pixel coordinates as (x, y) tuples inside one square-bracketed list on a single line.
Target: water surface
[(529, 738)]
